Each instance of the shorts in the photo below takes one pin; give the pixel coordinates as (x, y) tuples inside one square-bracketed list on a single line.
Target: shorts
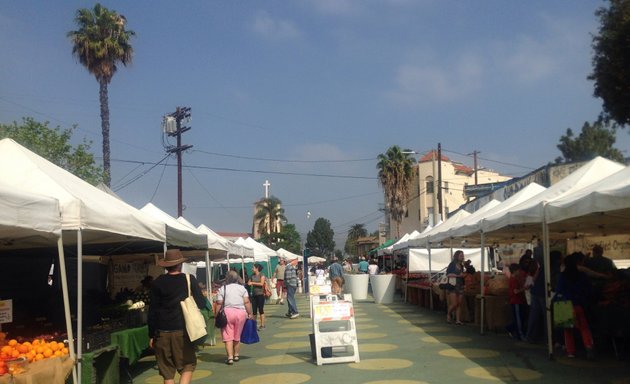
[(174, 352), (279, 284)]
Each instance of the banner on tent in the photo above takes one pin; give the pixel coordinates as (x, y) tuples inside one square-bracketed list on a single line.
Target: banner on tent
[(127, 275), (616, 247)]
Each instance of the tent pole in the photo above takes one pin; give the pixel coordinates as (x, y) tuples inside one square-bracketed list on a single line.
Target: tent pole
[(483, 298), (66, 304), (547, 269), (407, 277), (208, 275), (430, 276), (79, 301)]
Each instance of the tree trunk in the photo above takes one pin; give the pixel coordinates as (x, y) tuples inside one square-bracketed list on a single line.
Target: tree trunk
[(105, 131)]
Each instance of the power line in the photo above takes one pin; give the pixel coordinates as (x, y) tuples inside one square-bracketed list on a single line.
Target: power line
[(493, 161), (159, 181), (136, 178), (283, 160), (226, 169)]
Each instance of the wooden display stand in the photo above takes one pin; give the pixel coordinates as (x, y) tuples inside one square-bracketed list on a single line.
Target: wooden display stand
[(331, 312)]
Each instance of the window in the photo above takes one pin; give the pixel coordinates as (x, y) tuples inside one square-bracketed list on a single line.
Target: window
[(429, 184), (446, 186)]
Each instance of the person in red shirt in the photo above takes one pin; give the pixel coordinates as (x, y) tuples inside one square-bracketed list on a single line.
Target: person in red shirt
[(518, 302)]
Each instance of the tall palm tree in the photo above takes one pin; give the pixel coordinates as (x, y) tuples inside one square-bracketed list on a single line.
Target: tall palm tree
[(356, 231), (269, 215), (100, 43), (395, 173)]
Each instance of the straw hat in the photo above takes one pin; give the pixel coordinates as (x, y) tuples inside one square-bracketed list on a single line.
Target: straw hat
[(171, 258)]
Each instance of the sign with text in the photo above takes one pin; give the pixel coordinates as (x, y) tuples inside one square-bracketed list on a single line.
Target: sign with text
[(127, 275), (332, 311), (6, 311), (320, 289)]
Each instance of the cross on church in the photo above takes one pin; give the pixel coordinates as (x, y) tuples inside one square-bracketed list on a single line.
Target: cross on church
[(267, 184)]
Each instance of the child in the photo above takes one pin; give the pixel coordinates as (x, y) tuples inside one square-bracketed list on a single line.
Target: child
[(518, 303)]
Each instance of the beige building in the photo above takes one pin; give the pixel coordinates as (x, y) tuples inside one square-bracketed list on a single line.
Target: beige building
[(422, 203)]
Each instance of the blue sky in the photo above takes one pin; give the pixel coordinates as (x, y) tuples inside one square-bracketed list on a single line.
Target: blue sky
[(322, 85)]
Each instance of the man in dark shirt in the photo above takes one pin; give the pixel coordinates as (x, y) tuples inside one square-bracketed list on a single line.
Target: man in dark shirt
[(167, 330)]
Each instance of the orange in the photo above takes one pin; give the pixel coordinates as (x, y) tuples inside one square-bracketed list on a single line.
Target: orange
[(53, 345), (13, 342), (48, 352), (35, 342), (15, 354), (23, 348), (39, 356), (6, 349), (57, 353), (64, 350), (39, 349)]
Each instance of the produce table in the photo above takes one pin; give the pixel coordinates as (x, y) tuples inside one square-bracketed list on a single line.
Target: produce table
[(101, 366), (131, 342), (497, 314), (47, 371)]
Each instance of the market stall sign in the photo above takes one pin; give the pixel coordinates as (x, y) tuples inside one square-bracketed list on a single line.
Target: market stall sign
[(6, 311)]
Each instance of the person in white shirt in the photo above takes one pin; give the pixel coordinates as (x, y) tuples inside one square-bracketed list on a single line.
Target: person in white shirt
[(373, 267)]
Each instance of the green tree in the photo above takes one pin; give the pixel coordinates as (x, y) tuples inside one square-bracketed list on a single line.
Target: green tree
[(355, 231), (101, 42), (395, 173), (288, 238), (269, 215), (54, 145), (611, 61), (320, 239), (595, 140)]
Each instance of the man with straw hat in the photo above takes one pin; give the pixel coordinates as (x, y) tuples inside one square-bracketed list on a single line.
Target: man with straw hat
[(167, 330)]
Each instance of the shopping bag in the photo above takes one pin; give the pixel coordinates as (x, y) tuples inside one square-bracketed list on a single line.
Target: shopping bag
[(563, 314), (249, 335), (195, 323), (267, 289)]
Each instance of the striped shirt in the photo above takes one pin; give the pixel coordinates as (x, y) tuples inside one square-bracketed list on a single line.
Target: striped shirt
[(290, 276)]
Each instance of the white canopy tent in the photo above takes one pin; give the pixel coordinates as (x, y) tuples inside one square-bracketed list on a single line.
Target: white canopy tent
[(177, 234), (89, 216), (440, 258), (315, 259), (289, 255)]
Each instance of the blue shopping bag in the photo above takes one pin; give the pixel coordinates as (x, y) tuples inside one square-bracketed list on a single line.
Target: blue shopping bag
[(250, 333)]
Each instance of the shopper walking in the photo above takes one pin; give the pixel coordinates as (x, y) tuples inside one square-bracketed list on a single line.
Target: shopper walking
[(257, 282), (291, 283), (279, 275), (174, 351), (235, 300), (455, 287)]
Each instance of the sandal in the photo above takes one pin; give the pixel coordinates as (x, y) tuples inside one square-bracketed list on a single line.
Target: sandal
[(236, 358), (449, 320), (459, 323), (229, 361)]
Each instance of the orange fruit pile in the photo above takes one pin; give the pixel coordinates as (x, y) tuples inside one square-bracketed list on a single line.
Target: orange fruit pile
[(36, 350)]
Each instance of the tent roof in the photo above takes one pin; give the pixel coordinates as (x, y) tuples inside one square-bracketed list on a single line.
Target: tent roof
[(218, 242), (101, 217), (177, 234), (472, 224), (384, 245), (601, 208), (27, 219), (261, 251), (523, 219), (289, 255), (440, 232)]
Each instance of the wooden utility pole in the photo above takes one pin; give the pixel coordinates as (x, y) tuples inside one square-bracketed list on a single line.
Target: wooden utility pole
[(475, 153), (180, 114)]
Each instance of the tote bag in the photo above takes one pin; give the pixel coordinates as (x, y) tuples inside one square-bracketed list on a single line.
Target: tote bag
[(195, 324), (563, 314), (249, 335)]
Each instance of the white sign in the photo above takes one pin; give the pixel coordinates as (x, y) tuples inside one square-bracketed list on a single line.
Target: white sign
[(6, 311), (333, 311)]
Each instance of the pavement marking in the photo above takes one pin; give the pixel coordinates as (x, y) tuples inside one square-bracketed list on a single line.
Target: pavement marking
[(198, 374), (389, 310), (288, 345), (280, 360), (468, 353), (396, 382), (503, 374), (282, 377), (423, 321), (363, 320), (292, 334), (367, 326), (370, 335), (446, 339), (404, 321), (582, 363), (381, 364), (395, 315), (377, 347)]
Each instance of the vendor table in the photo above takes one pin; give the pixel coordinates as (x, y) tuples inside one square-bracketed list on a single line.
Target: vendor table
[(131, 343), (497, 314), (47, 371), (101, 366)]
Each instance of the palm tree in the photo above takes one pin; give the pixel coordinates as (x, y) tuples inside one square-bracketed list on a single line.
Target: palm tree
[(355, 231), (100, 43), (395, 173), (269, 215)]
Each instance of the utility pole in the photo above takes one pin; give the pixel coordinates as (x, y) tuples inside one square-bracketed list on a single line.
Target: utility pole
[(439, 191), (475, 153), (435, 189), (180, 114)]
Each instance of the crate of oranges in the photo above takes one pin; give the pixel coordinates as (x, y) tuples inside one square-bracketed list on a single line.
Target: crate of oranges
[(29, 351)]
